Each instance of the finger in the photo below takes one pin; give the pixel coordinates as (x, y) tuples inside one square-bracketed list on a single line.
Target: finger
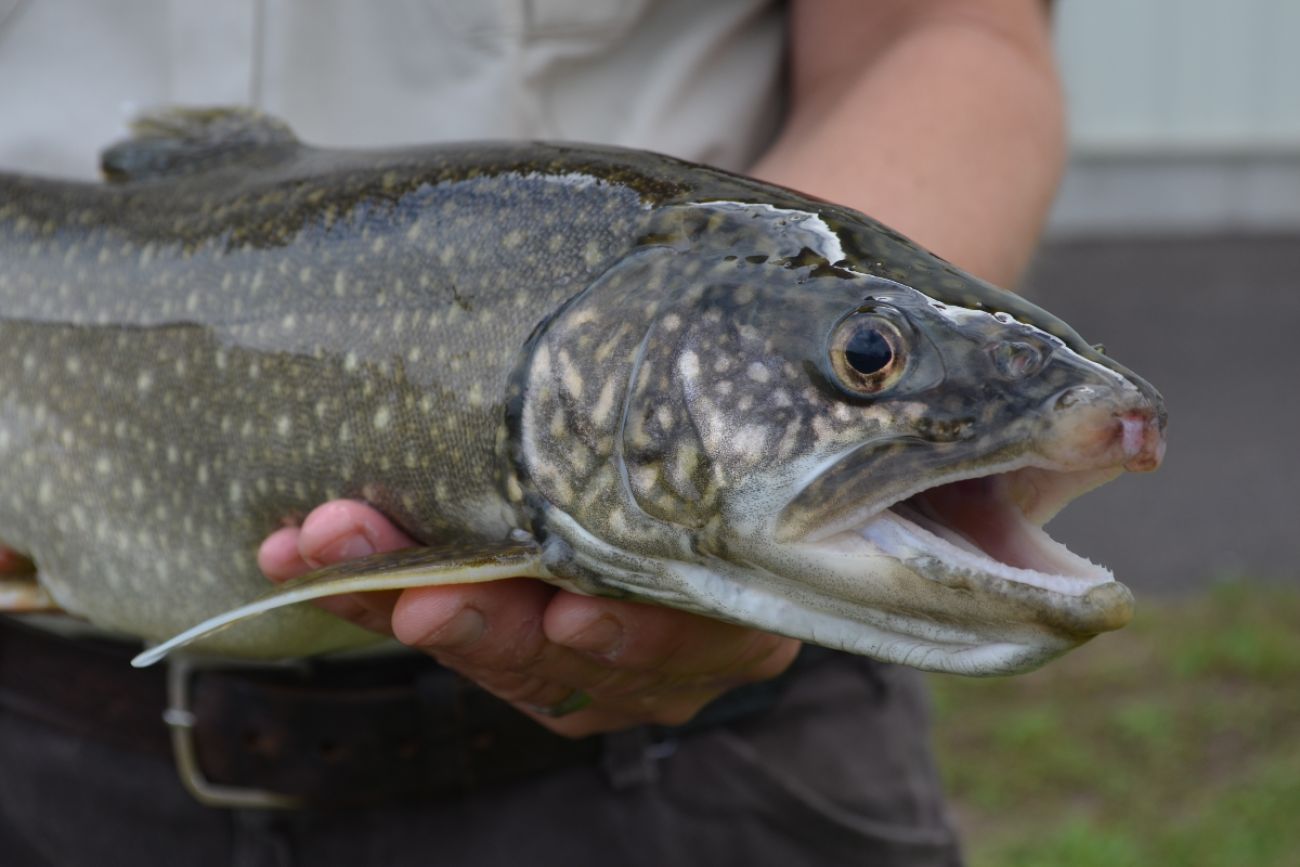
[(344, 530), (483, 626), (492, 634), (680, 645), (335, 532), (279, 558), (13, 563)]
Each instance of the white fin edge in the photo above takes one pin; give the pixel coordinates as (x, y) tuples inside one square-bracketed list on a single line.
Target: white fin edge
[(307, 592)]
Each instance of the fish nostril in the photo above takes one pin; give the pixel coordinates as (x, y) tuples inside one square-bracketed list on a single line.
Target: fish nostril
[(1071, 396)]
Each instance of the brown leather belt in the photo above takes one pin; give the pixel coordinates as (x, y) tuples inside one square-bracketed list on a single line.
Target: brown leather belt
[(327, 732)]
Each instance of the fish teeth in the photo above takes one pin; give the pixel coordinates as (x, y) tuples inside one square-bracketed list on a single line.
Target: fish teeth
[(916, 545)]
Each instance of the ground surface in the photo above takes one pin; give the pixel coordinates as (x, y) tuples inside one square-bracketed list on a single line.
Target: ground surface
[(1214, 323), (1175, 742)]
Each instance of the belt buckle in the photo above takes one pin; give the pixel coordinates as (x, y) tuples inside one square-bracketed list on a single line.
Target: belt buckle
[(181, 720)]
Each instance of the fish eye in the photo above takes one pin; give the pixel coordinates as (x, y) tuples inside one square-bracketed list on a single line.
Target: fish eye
[(867, 354)]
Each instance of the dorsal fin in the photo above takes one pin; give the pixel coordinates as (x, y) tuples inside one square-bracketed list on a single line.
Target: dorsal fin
[(184, 141)]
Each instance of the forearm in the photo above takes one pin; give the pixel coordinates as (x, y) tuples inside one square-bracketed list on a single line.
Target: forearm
[(949, 129)]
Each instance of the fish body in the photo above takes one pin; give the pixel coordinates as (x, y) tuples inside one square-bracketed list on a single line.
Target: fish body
[(653, 379)]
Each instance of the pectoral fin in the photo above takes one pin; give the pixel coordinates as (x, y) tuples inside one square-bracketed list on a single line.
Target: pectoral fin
[(468, 563)]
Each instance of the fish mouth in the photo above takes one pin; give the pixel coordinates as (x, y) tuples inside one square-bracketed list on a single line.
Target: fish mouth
[(977, 541), (980, 529), (990, 527)]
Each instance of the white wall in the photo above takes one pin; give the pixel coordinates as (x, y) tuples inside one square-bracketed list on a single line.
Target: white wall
[(1184, 115)]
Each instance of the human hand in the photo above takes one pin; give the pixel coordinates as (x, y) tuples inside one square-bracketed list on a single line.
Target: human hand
[(13, 563), (532, 644)]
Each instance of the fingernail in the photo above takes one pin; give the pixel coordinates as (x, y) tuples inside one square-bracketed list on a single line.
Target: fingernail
[(466, 627), (350, 547), (603, 636)]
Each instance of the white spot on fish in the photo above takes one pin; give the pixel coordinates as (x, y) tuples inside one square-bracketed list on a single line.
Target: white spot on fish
[(571, 376), (750, 441), (688, 366), (604, 404)]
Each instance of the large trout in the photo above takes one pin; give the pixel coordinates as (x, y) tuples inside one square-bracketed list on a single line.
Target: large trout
[(614, 371)]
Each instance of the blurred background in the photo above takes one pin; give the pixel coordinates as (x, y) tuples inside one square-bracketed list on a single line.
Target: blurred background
[(1175, 241)]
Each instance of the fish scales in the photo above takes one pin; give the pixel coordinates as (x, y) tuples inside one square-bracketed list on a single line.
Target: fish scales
[(176, 383), (477, 339)]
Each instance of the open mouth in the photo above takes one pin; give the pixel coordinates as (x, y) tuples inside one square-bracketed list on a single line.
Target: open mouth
[(990, 527)]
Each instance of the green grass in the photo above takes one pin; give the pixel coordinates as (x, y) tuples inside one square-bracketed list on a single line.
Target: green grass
[(1174, 742)]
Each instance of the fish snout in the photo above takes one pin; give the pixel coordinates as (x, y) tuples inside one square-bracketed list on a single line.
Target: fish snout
[(1097, 427), (1141, 435)]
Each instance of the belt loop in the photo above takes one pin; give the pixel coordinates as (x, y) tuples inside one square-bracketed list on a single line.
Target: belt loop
[(628, 758)]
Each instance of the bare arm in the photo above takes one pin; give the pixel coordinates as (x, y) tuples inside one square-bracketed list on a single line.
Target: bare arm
[(943, 119)]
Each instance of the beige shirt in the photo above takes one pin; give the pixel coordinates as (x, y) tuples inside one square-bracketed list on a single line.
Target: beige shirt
[(694, 78)]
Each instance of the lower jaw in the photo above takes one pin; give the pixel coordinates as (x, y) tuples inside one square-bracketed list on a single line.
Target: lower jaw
[(1075, 608)]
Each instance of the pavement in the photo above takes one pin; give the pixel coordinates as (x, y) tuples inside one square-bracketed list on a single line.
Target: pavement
[(1214, 323)]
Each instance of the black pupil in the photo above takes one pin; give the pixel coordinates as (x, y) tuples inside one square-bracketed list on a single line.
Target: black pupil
[(867, 351)]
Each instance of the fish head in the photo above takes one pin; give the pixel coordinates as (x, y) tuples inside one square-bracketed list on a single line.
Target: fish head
[(847, 459)]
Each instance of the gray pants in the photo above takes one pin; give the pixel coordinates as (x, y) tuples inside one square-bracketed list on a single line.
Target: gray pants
[(839, 772)]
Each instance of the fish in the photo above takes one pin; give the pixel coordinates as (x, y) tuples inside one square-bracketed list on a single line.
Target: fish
[(615, 371)]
